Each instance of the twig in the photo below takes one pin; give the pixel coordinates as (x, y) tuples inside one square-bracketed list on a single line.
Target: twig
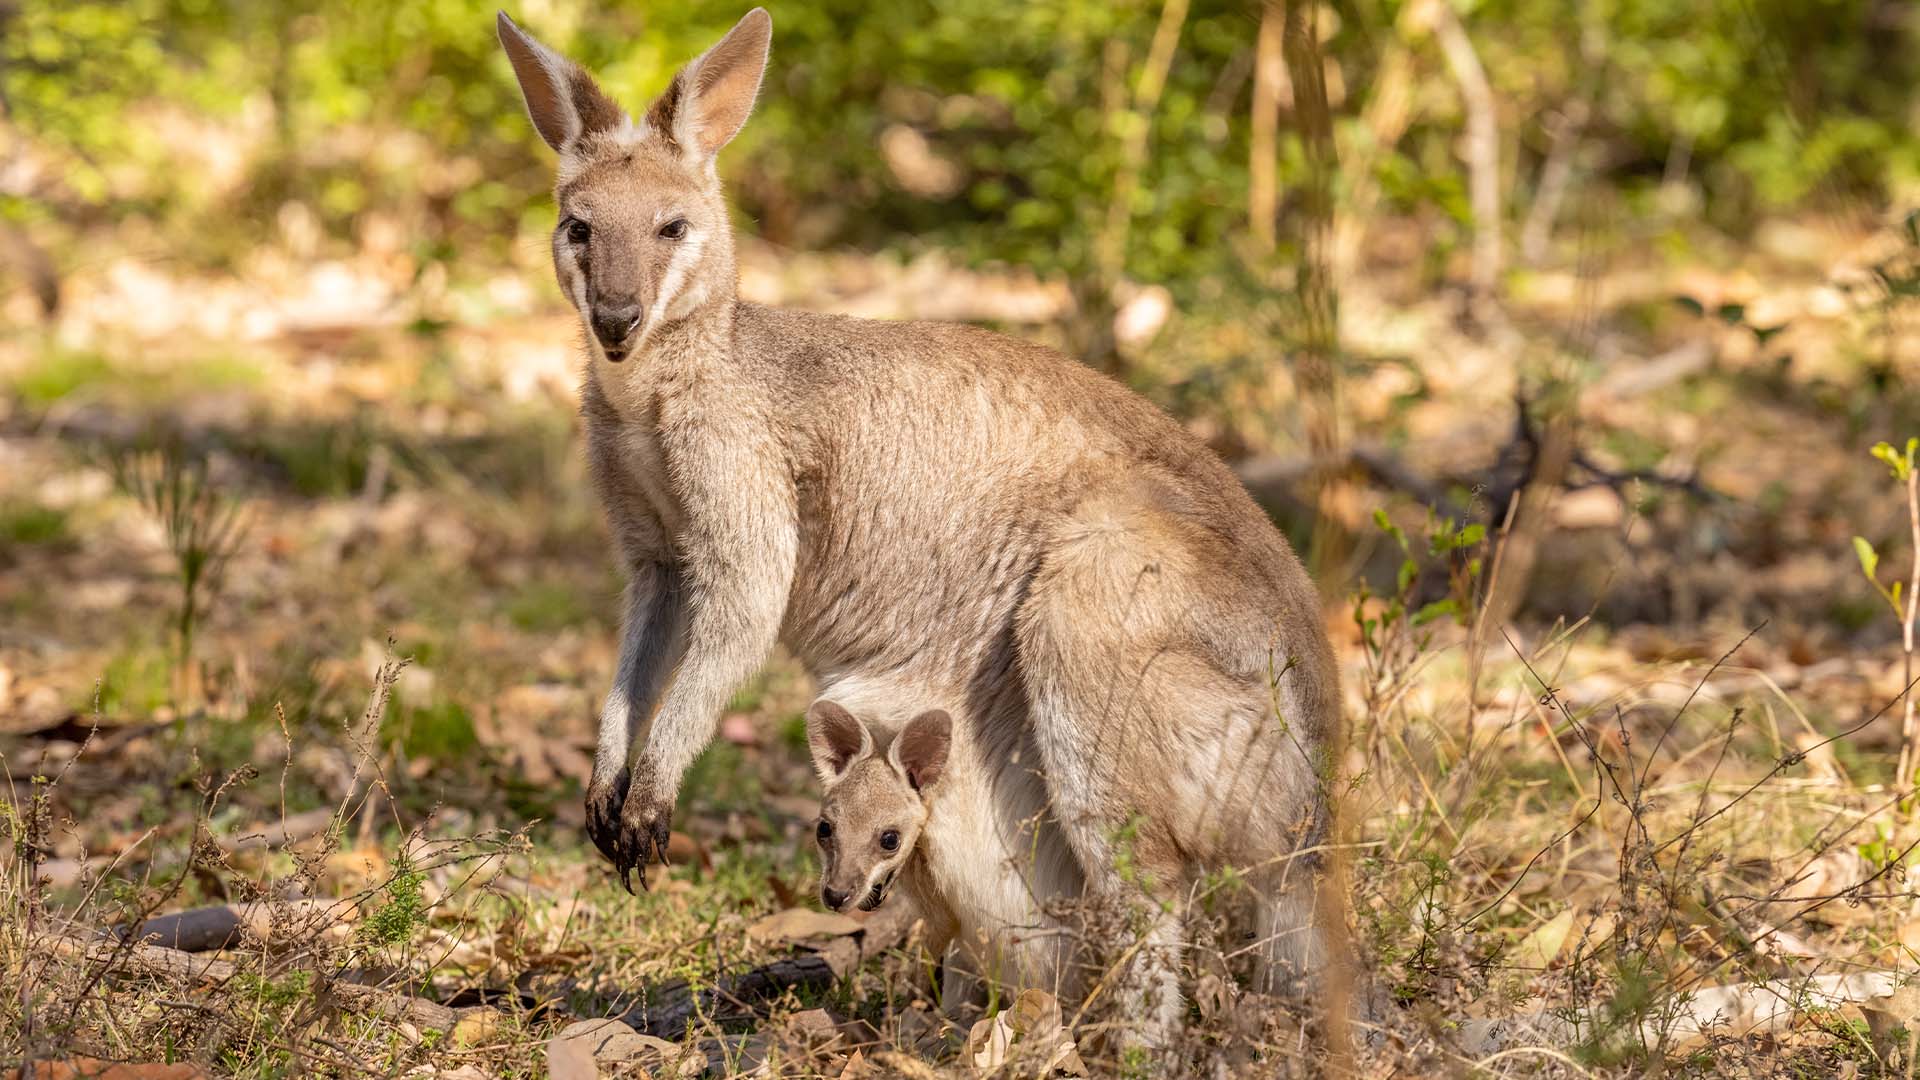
[(160, 962), (1909, 733)]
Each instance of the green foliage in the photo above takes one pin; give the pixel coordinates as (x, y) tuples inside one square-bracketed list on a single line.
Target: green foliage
[(31, 523), (57, 374), (1901, 464), (402, 912), (135, 682), (1450, 546), (1899, 461), (442, 731), (547, 605), (281, 992), (352, 105), (719, 781), (202, 523)]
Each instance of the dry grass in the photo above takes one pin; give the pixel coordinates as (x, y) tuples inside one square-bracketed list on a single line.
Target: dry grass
[(1668, 769)]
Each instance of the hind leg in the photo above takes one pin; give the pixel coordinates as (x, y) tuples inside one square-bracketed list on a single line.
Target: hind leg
[(1290, 949), (1105, 760), (1147, 670)]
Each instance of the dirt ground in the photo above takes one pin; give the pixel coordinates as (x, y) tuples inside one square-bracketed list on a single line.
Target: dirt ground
[(1639, 742)]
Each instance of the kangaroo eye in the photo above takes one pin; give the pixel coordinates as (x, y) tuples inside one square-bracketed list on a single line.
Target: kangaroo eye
[(578, 231), (889, 840), (824, 832), (675, 229)]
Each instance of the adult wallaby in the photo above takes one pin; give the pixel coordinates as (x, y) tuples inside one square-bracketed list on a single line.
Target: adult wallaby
[(920, 512)]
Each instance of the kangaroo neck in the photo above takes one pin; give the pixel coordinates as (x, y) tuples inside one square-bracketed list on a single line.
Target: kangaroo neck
[(702, 336)]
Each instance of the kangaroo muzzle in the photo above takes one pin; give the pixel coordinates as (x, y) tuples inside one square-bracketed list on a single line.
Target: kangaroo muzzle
[(613, 324)]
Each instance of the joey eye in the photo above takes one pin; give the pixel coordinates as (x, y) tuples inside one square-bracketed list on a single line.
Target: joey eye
[(889, 840), (675, 229), (825, 832), (578, 231)]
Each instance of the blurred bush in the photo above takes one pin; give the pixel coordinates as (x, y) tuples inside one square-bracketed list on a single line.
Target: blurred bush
[(992, 127)]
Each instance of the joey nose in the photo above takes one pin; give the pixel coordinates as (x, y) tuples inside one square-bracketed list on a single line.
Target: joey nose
[(833, 898), (613, 323)]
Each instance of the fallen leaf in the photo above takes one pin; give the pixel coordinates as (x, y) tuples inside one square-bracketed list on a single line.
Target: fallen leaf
[(815, 1026), (990, 1041), (1820, 885), (783, 892), (906, 1065), (350, 872), (613, 1042), (1910, 934), (1538, 950), (1894, 1020), (682, 848), (1031, 1031), (800, 924), (476, 1026)]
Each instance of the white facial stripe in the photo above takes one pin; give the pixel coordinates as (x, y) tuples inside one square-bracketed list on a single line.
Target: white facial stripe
[(685, 255)]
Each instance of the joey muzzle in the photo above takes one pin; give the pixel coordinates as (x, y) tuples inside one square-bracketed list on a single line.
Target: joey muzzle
[(876, 895)]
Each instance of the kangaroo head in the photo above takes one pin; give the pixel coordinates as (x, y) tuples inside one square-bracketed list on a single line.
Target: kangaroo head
[(642, 239), (875, 804)]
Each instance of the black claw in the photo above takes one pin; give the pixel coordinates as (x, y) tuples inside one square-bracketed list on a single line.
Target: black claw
[(662, 833), (626, 879)]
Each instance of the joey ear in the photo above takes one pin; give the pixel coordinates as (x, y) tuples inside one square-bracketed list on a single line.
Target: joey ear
[(836, 739), (709, 100), (562, 99), (920, 750)]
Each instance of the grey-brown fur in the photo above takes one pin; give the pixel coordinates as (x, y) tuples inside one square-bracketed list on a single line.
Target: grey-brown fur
[(923, 514)]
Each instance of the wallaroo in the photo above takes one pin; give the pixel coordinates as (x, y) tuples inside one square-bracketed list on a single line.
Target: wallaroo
[(1128, 650)]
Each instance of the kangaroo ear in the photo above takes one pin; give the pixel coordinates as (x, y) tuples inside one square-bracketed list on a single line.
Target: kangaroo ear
[(836, 739), (563, 100), (708, 102), (920, 750)]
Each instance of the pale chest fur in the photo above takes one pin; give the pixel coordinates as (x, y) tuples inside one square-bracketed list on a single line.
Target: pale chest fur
[(997, 879), (627, 441), (645, 463)]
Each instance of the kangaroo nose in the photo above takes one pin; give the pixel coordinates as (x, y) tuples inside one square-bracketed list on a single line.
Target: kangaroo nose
[(833, 898), (614, 322)]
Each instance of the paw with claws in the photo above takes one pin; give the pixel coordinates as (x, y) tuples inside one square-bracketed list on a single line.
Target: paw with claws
[(629, 823)]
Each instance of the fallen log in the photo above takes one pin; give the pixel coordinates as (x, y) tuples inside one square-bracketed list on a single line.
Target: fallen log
[(159, 962), (225, 925), (665, 1011)]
